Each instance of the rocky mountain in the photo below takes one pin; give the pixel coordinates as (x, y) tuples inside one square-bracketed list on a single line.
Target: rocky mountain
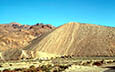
[(73, 39), (15, 35)]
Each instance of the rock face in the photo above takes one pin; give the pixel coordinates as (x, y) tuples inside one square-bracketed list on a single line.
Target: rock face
[(15, 35), (79, 40)]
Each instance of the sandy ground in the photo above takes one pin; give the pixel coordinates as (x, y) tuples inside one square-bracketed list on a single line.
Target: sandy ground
[(103, 68), (72, 68), (76, 68)]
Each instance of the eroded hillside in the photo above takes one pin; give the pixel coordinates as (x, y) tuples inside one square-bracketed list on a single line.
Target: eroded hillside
[(15, 35), (79, 40), (73, 39)]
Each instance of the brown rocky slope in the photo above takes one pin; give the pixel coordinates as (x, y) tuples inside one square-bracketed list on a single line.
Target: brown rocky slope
[(73, 39), (79, 40), (15, 35)]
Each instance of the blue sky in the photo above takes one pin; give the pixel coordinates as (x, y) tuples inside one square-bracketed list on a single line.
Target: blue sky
[(58, 12)]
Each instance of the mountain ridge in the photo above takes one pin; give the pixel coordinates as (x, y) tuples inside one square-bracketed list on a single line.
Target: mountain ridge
[(71, 39), (16, 35)]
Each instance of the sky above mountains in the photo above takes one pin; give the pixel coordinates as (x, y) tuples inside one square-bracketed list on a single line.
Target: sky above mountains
[(58, 12)]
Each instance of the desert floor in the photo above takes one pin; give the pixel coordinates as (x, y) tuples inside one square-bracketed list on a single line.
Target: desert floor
[(62, 64)]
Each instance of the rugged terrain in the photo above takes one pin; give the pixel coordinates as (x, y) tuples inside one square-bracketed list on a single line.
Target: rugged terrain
[(15, 35), (72, 47), (71, 39)]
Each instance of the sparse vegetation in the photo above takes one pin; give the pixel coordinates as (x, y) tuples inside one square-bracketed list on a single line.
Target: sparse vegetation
[(58, 64), (7, 70), (0, 66)]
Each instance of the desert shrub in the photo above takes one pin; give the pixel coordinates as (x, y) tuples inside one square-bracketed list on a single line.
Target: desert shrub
[(59, 68), (44, 68), (62, 57), (18, 69), (39, 69), (32, 66), (113, 60), (0, 65), (83, 63), (32, 69), (10, 64), (97, 63), (24, 70), (55, 70), (40, 61), (51, 58), (63, 67), (49, 67), (6, 70), (110, 61)]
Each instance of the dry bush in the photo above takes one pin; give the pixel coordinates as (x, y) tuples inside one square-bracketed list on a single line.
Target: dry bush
[(0, 66), (6, 70), (18, 69), (98, 63)]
